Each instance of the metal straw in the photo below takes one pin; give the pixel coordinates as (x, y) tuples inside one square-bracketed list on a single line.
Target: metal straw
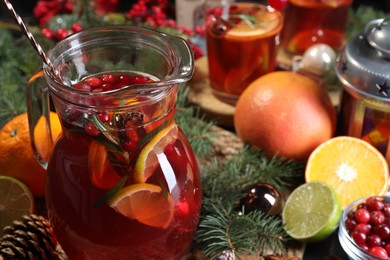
[(31, 38)]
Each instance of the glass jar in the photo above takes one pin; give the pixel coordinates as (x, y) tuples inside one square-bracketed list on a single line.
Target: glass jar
[(353, 250), (122, 180)]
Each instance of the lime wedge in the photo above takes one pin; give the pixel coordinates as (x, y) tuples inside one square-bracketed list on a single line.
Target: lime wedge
[(16, 200), (148, 161), (312, 212)]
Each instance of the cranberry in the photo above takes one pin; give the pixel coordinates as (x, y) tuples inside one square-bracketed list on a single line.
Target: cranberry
[(91, 129), (359, 237), (350, 223), (109, 78), (104, 117), (373, 204), (363, 227), (387, 248), (106, 87), (373, 240), (382, 230), (82, 86), (94, 82), (386, 210), (129, 145), (362, 215), (377, 217), (379, 252), (361, 205)]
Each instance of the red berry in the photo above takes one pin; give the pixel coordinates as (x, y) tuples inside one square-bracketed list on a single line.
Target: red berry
[(46, 32), (94, 82), (374, 204), (379, 252), (279, 5), (109, 78), (387, 248), (61, 34), (104, 117), (386, 210), (373, 240), (129, 145), (76, 27), (382, 230), (362, 215), (359, 237), (82, 86), (363, 227), (350, 224), (377, 217), (91, 129)]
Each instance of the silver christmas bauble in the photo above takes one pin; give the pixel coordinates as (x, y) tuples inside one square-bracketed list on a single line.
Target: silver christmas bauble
[(320, 60)]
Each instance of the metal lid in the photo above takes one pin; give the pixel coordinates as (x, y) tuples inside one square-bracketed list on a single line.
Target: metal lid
[(363, 66)]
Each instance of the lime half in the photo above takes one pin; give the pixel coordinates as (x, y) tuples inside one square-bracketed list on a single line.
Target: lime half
[(16, 200), (312, 212)]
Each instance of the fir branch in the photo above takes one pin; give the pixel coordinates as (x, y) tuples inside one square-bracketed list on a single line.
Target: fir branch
[(248, 167), (223, 229), (196, 128)]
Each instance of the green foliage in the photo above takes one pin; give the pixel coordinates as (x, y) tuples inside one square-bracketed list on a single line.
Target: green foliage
[(359, 17), (222, 227), (18, 61)]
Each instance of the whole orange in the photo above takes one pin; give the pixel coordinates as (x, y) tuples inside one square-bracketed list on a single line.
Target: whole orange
[(16, 155), (285, 114)]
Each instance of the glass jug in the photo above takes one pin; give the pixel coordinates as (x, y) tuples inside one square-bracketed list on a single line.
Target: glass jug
[(122, 179)]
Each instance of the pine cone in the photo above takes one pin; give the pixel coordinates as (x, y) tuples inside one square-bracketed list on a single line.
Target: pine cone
[(31, 237)]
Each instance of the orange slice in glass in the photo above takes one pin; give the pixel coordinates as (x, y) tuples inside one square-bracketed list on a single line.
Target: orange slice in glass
[(145, 203), (269, 22), (148, 159), (353, 167)]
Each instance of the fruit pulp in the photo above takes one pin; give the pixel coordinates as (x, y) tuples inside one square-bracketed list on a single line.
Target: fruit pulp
[(84, 167), (309, 22), (241, 46)]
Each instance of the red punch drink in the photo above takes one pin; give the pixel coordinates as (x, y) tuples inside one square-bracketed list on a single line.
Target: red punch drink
[(144, 163), (308, 22), (242, 41), (122, 180)]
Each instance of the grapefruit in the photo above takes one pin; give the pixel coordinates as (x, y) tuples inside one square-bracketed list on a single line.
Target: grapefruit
[(285, 114)]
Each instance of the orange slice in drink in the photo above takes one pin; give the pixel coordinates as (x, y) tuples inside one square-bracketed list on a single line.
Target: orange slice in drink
[(145, 203), (268, 22), (100, 170), (353, 167), (148, 159)]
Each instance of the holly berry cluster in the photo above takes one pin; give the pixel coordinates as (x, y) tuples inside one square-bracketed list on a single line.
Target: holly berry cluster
[(151, 13), (369, 226), (60, 33)]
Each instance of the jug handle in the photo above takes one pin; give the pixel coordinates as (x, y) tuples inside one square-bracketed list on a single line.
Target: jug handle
[(38, 108)]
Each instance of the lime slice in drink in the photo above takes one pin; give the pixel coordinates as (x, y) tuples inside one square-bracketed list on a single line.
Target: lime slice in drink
[(148, 160), (145, 203), (312, 212), (16, 200)]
